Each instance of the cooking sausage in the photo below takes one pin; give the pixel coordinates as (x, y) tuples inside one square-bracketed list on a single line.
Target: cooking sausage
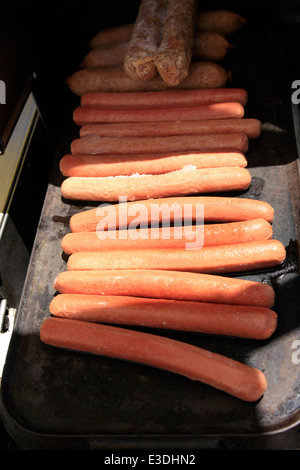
[(250, 127), (145, 39), (208, 46), (137, 187), (165, 98), (87, 114), (168, 237), (174, 54), (115, 79), (240, 257), (241, 321), (113, 35), (223, 21), (156, 211), (106, 56), (163, 284), (233, 377), (129, 164), (95, 144)]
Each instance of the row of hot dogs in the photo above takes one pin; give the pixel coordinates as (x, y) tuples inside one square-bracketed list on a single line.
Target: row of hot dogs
[(171, 149)]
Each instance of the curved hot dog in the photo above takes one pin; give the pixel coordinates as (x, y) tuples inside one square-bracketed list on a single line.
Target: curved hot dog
[(221, 372)]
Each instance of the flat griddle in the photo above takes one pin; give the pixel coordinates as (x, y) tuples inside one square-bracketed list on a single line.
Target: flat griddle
[(58, 399)]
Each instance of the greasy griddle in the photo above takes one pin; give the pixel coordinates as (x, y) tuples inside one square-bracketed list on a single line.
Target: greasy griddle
[(54, 398)]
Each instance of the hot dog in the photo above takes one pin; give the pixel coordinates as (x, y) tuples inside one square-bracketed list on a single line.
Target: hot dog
[(168, 237), (250, 127), (240, 257), (230, 376), (95, 144), (162, 284), (242, 321), (154, 211), (186, 181), (129, 164), (165, 98), (87, 114)]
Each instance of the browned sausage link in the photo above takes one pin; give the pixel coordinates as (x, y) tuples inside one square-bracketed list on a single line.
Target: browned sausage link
[(220, 21), (110, 36), (173, 58), (208, 45), (106, 55), (211, 46), (145, 39), (115, 79), (223, 21)]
